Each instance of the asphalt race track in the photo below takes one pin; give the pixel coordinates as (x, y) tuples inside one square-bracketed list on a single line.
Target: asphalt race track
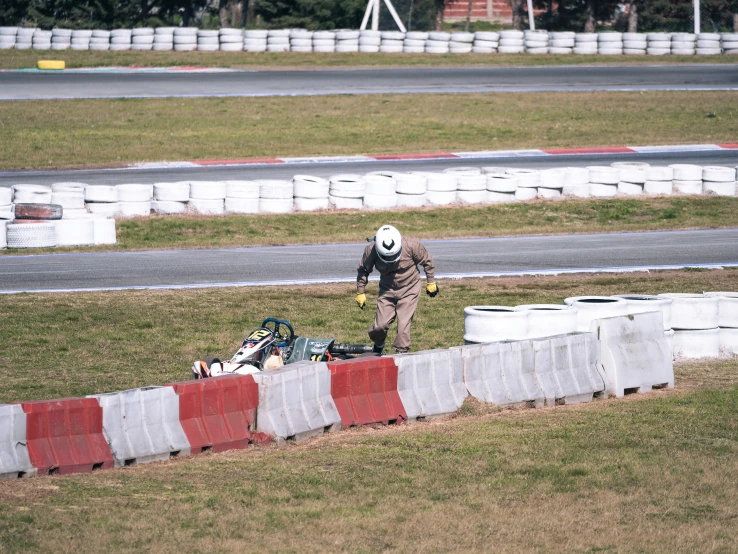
[(325, 169), (305, 264), (29, 85)]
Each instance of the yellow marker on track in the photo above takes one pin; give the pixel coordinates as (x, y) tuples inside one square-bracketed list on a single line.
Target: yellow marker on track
[(51, 64)]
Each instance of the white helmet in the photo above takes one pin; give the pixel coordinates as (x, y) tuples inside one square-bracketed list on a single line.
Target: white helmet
[(388, 243)]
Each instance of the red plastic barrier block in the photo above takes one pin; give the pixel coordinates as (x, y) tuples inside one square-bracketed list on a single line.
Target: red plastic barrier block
[(365, 391), (218, 413), (66, 436)]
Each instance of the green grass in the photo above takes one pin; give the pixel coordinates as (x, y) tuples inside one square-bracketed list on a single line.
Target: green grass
[(21, 59), (84, 133), (529, 218), (648, 473)]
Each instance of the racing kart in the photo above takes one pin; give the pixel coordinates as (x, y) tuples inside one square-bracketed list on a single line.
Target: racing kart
[(273, 345)]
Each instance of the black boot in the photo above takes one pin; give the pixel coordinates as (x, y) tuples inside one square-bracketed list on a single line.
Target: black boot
[(378, 349)]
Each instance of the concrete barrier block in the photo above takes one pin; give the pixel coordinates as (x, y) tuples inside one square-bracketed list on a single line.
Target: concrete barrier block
[(431, 383), (142, 425), (634, 353), (295, 402), (566, 367), (14, 460)]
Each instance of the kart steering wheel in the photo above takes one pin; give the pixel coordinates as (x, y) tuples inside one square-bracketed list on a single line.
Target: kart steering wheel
[(281, 329)]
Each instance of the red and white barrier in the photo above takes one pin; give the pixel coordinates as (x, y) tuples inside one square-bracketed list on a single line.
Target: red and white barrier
[(14, 460)]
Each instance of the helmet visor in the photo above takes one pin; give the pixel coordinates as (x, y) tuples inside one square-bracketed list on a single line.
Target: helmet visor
[(390, 260)]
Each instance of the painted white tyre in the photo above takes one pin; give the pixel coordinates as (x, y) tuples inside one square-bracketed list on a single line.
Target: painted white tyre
[(472, 196), (599, 190), (168, 207), (728, 342), (370, 33), (502, 182), (683, 51), (693, 311), (104, 209), (207, 206), (184, 47), (719, 189), (242, 205), (494, 323), (135, 209), (440, 198), (77, 213), (347, 185), (542, 50), (604, 175), (379, 185), (301, 42), (630, 189), (242, 189), (414, 43), (380, 201), (393, 43), (439, 35), (508, 34), (657, 173), (688, 187), (311, 204), (462, 37), (727, 308), (275, 205), (135, 193), (486, 44), (348, 35), (527, 178), (472, 183), (510, 49), (6, 212), (256, 33), (28, 196), (718, 174), (432, 50), (576, 176), (546, 320), (307, 186), (610, 51), (439, 182), (458, 171), (208, 190), (341, 48), (6, 196), (208, 47), (231, 47), (31, 235), (254, 47), (549, 193), (526, 193), (368, 49), (634, 51), (641, 303), (411, 184), (411, 200), (342, 203), (687, 172), (370, 41), (483, 50), (3, 235), (417, 35), (494, 197), (141, 39), (708, 51), (303, 49), (632, 172), (75, 232), (67, 187), (610, 37), (172, 192), (553, 178), (696, 344), (69, 200), (590, 308), (658, 187), (331, 49), (275, 189), (585, 50), (562, 43)]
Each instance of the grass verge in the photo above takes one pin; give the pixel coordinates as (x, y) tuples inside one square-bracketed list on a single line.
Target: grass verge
[(645, 473), (543, 217), (81, 133), (22, 59)]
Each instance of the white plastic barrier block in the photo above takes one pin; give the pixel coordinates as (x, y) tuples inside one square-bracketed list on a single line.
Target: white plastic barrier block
[(143, 425), (501, 372), (295, 402), (14, 460), (566, 367), (431, 383), (634, 353)]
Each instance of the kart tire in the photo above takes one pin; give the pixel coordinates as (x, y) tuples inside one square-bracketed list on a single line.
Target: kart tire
[(38, 211), (242, 190), (135, 193)]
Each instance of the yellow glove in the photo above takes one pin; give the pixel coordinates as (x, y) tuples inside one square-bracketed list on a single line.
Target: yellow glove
[(361, 300), (431, 289)]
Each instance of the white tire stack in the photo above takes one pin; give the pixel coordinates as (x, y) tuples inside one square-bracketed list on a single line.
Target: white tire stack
[(104, 230), (471, 186), (3, 234), (207, 41), (511, 42), (278, 40), (486, 42), (727, 321), (24, 38), (536, 42), (414, 42), (440, 187), (41, 40), (31, 194), (585, 44), (438, 42), (528, 182), (324, 42), (120, 39), (75, 232), (380, 192), (576, 182), (683, 44), (632, 177), (275, 196), (171, 198), (708, 44), (694, 318), (590, 308), (687, 178), (392, 42), (346, 191), (301, 40), (659, 180), (561, 42), (135, 199), (242, 197), (494, 323), (7, 40), (61, 39), (635, 43), (610, 44), (185, 39), (311, 193), (411, 189), (102, 200), (208, 197), (461, 43), (69, 197), (501, 187), (81, 39), (231, 40), (603, 181), (369, 41), (6, 201), (31, 235), (729, 43), (551, 183), (255, 41), (347, 41), (718, 181), (659, 44), (142, 38), (163, 39), (100, 40)]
